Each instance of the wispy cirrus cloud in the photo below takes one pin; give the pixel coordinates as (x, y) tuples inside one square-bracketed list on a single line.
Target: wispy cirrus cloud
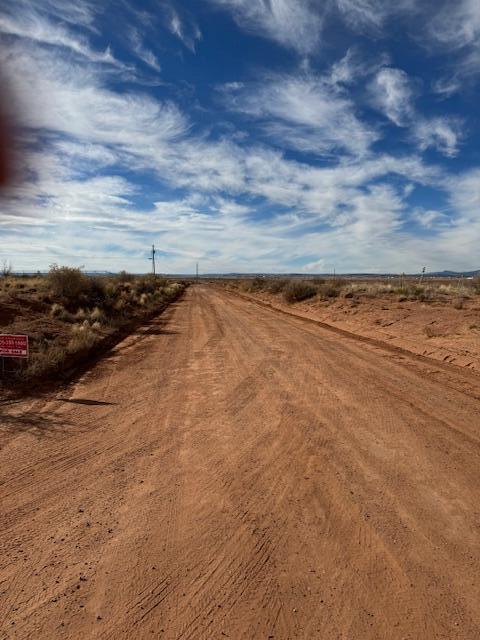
[(296, 25), (79, 13), (393, 93), (142, 52), (181, 24), (40, 29), (441, 133), (457, 24), (373, 14), (72, 99), (455, 27), (303, 112)]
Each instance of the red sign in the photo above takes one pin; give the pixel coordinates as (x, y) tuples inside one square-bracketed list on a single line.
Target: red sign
[(13, 346)]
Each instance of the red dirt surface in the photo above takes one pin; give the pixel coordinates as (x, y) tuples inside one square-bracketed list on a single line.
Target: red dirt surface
[(233, 472), (437, 330)]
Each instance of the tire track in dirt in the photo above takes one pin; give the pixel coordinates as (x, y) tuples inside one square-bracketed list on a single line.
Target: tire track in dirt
[(253, 476)]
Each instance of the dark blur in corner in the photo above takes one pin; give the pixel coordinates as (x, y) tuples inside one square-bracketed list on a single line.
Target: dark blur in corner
[(6, 134)]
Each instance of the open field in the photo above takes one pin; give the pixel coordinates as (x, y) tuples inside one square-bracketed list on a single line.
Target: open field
[(234, 472), (439, 319)]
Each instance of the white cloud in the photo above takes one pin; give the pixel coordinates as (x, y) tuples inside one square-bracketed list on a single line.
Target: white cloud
[(457, 24), (183, 27), (465, 193), (294, 24), (456, 28), (353, 67), (393, 95), (80, 12), (143, 53), (430, 218), (71, 99), (38, 29), (304, 113), (441, 133), (372, 13)]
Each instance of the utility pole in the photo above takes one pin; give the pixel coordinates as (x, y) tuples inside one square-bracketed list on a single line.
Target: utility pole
[(197, 272), (153, 259)]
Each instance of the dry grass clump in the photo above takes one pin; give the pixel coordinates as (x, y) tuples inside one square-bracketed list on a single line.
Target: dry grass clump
[(331, 289), (254, 285), (458, 303), (277, 285), (297, 290), (47, 358), (454, 290), (83, 338), (432, 332), (58, 311), (97, 315)]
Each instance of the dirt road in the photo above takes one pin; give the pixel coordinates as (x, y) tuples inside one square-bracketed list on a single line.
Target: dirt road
[(237, 473)]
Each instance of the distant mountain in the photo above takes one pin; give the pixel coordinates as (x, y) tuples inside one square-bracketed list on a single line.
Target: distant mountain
[(453, 274)]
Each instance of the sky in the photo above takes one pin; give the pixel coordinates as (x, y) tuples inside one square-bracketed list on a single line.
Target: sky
[(245, 135)]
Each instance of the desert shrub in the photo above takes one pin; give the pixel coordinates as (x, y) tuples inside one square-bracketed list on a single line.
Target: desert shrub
[(418, 291), (111, 293), (329, 291), (67, 282), (431, 331), (277, 285), (95, 293), (331, 288), (415, 292), (147, 284), (297, 290), (172, 292), (318, 281), (124, 276), (458, 304), (476, 285), (255, 284)]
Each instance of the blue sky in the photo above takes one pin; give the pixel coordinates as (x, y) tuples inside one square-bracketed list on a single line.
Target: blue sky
[(247, 135)]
